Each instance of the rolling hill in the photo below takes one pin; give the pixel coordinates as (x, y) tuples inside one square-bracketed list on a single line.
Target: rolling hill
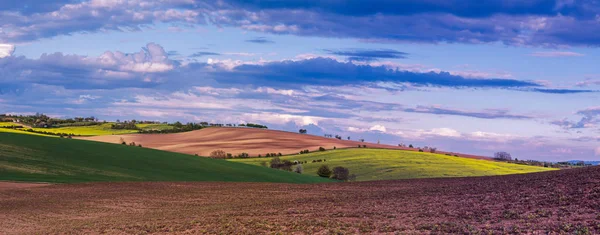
[(43, 159), (253, 141), (384, 164)]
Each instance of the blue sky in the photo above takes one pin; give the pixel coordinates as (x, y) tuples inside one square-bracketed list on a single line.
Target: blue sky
[(469, 76)]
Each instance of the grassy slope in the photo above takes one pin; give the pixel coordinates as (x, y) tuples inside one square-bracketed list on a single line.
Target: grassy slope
[(43, 159), (381, 164), (103, 129)]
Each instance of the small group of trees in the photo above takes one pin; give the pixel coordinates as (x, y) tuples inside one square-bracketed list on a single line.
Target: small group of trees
[(304, 151), (286, 165), (502, 156), (362, 146), (338, 173), (302, 131), (220, 154), (271, 155), (123, 142), (321, 149), (253, 125)]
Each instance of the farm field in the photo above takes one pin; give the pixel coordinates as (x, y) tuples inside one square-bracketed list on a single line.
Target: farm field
[(17, 131), (43, 159), (557, 202), (95, 130), (385, 164), (253, 141)]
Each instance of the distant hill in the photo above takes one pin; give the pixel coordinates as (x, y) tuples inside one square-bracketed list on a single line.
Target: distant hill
[(385, 164), (46, 159), (593, 163), (253, 141)]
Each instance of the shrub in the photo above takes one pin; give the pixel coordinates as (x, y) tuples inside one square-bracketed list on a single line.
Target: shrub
[(410, 146), (341, 173), (219, 154), (299, 169), (334, 147), (286, 166), (324, 171), (275, 162), (321, 149), (420, 150), (139, 145)]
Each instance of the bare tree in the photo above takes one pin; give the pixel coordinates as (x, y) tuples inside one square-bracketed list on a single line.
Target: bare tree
[(502, 156)]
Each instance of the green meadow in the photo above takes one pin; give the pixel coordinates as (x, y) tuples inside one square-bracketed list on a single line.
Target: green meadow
[(60, 160), (382, 164)]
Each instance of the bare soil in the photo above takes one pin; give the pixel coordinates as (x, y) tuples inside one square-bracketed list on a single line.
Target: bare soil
[(5, 185), (566, 201), (253, 141)]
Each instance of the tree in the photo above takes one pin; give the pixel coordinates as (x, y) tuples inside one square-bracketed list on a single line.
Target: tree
[(341, 173), (348, 137), (299, 169), (324, 171), (502, 156), (410, 146), (218, 154), (275, 162), (302, 131), (321, 149)]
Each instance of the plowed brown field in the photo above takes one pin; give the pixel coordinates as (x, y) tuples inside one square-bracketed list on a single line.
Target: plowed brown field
[(238, 140), (566, 201)]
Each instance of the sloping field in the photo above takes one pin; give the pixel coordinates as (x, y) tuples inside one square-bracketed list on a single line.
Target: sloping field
[(43, 159), (558, 202), (238, 140), (94, 130), (385, 164)]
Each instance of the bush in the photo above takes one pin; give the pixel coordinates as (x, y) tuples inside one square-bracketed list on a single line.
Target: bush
[(324, 171), (219, 154), (275, 162), (334, 148), (410, 146), (321, 149), (341, 173), (420, 150), (299, 169)]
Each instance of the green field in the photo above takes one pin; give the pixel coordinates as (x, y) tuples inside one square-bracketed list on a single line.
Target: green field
[(381, 164), (44, 159)]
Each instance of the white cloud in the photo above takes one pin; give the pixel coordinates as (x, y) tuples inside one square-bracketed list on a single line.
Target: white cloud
[(556, 54), (6, 50), (378, 128), (269, 90), (284, 118)]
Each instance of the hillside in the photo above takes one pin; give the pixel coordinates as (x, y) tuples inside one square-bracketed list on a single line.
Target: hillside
[(253, 141), (383, 164), (92, 130), (557, 202), (43, 159)]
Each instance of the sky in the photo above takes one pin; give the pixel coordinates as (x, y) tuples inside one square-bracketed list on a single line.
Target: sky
[(466, 76)]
